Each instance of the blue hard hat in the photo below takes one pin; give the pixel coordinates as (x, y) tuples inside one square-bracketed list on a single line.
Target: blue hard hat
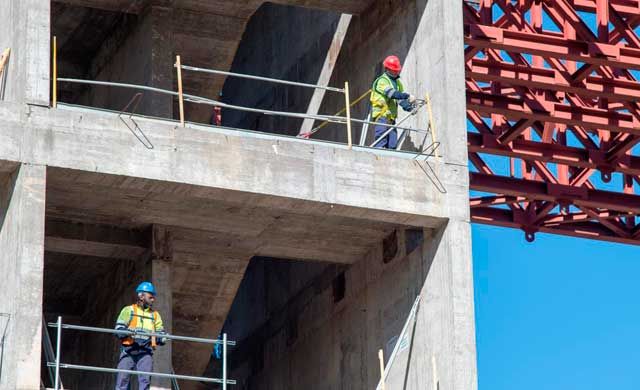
[(146, 287)]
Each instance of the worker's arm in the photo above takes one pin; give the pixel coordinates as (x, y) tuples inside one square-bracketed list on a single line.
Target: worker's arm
[(122, 323), (159, 327), (384, 87)]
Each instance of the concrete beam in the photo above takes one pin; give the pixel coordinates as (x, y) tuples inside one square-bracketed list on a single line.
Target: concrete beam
[(126, 6), (95, 240), (274, 172), (22, 208)]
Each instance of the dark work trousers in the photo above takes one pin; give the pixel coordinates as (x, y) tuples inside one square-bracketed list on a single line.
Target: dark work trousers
[(136, 361), (390, 141)]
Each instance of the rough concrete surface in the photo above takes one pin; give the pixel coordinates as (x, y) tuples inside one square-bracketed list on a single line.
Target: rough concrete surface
[(308, 253)]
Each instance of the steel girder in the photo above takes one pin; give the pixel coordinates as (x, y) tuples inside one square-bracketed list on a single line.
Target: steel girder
[(552, 103)]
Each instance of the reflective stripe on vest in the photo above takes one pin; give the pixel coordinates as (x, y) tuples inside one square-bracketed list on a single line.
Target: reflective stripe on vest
[(381, 104), (136, 314)]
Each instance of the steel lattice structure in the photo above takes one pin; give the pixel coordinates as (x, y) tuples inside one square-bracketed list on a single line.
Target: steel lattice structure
[(554, 120)]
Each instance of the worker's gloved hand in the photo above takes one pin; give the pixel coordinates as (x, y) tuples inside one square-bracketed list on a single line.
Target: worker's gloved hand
[(406, 105), (162, 340), (121, 336), (412, 99)]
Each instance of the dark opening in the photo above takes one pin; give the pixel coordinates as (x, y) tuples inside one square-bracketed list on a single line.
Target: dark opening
[(390, 247), (412, 239), (339, 287)]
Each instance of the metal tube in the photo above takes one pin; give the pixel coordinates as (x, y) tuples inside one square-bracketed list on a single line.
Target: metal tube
[(158, 374), (215, 103), (123, 85), (365, 130), (54, 99), (56, 385), (348, 113), (224, 361), (247, 76), (128, 332), (334, 119), (432, 123), (180, 96)]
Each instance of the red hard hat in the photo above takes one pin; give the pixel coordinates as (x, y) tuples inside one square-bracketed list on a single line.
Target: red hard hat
[(393, 64)]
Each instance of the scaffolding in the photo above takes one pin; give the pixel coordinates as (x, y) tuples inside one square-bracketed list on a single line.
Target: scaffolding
[(57, 364)]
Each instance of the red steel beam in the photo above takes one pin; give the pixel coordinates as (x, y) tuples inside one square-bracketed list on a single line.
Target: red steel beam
[(551, 79), (551, 95), (586, 229), (627, 8), (591, 118), (558, 193), (547, 45), (551, 153)]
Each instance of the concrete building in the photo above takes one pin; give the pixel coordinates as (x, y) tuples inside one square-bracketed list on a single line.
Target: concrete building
[(308, 253)]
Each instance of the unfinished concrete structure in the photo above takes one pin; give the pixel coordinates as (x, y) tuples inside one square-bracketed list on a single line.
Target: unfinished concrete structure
[(310, 254)]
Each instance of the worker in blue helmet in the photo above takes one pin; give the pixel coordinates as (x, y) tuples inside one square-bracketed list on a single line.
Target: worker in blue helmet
[(136, 352)]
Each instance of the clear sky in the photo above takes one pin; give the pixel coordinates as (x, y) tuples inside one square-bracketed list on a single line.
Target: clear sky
[(559, 313)]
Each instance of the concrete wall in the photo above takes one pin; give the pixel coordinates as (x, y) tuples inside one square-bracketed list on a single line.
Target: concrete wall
[(109, 295), (311, 337), (426, 35), (282, 42), (25, 29), (143, 57), (311, 340), (290, 172), (22, 207)]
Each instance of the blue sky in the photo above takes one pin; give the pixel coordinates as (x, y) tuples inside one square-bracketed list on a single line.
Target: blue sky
[(559, 313)]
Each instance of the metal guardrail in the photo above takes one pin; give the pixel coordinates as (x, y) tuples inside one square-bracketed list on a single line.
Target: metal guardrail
[(347, 120), (58, 364)]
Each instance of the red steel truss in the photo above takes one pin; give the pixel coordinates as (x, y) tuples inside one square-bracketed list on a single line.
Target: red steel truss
[(554, 117)]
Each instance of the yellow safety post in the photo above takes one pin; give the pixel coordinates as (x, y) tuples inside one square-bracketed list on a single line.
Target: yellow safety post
[(180, 96), (381, 358), (353, 103), (4, 58), (432, 124), (348, 111), (54, 94)]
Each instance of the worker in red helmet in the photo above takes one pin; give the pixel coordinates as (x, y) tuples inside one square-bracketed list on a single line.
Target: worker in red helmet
[(386, 93)]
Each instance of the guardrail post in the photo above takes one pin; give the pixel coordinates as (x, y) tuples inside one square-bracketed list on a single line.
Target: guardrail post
[(381, 358), (56, 385), (348, 108), (431, 123), (54, 87), (224, 361), (180, 96)]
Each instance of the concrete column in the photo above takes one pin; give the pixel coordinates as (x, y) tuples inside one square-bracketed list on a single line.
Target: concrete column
[(161, 61), (24, 28), (22, 211), (443, 354), (161, 278), (144, 57)]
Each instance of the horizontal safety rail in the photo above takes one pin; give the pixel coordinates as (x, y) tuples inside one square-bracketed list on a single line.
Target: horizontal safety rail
[(344, 91), (261, 78), (346, 120), (202, 100), (59, 325)]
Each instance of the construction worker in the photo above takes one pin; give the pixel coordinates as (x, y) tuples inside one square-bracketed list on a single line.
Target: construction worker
[(136, 353), (386, 92)]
